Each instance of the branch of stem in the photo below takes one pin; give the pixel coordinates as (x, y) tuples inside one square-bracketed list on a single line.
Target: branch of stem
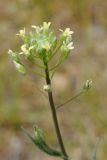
[(69, 100)]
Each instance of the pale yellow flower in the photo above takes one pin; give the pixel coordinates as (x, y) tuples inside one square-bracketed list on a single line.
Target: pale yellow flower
[(67, 32), (37, 28), (23, 48), (21, 32), (10, 52), (46, 25), (70, 46), (46, 46), (26, 50)]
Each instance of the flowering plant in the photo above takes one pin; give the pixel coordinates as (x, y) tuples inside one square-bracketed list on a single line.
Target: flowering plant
[(42, 44)]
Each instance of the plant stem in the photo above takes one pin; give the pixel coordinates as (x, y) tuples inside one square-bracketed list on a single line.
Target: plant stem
[(72, 98), (54, 115)]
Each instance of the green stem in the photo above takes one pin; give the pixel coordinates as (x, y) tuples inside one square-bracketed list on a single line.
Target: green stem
[(41, 75), (42, 67), (72, 98), (54, 115), (54, 52)]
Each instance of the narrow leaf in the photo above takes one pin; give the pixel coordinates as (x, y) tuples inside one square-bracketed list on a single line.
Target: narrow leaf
[(38, 140)]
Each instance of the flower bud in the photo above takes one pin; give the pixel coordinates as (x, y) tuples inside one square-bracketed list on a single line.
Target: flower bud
[(47, 88), (88, 84)]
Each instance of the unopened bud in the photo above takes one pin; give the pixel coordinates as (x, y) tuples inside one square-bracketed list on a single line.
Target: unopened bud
[(47, 87), (88, 84)]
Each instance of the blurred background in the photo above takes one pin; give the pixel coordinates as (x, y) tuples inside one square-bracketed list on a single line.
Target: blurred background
[(22, 103)]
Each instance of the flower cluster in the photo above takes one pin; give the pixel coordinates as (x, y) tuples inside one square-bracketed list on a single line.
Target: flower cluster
[(67, 43), (19, 66), (42, 43)]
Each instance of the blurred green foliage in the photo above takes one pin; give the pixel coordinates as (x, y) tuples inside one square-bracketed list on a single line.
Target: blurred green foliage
[(21, 103)]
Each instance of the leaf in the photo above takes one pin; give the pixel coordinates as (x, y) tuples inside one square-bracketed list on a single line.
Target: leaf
[(38, 140)]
